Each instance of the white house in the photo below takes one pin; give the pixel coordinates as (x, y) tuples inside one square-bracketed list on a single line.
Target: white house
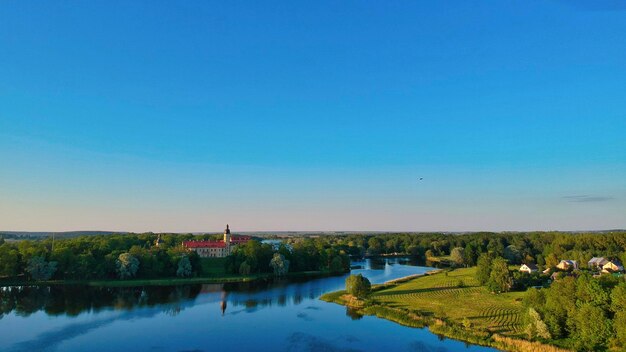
[(529, 268)]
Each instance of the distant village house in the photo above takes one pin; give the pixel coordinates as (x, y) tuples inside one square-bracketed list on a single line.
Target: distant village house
[(597, 263), (613, 266), (567, 265), (529, 268)]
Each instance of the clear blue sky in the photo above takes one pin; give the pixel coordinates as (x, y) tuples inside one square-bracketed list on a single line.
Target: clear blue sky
[(321, 115)]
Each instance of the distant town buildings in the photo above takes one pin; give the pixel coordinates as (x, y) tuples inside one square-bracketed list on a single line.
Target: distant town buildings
[(597, 265), (216, 249)]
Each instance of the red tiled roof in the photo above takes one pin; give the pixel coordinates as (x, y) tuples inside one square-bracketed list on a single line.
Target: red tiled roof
[(204, 244), (240, 239), (216, 244)]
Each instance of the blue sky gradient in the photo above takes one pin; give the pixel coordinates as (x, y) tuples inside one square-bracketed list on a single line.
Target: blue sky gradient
[(160, 116)]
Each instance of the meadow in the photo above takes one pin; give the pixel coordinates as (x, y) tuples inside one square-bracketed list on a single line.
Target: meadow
[(456, 295)]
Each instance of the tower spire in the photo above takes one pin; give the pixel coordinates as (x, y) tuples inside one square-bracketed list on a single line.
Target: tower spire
[(227, 239)]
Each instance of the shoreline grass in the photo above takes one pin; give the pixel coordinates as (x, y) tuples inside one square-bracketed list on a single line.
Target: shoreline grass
[(164, 281), (451, 304)]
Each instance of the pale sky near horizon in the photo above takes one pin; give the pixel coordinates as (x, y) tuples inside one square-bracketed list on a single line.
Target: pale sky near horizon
[(280, 115)]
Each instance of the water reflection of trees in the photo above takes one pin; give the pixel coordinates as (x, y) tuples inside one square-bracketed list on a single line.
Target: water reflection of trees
[(353, 313), (73, 300)]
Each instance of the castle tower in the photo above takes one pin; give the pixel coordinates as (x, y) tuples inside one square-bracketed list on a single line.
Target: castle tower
[(227, 238)]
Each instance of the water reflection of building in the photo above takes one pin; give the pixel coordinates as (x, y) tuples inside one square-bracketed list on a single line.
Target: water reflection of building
[(212, 290), (224, 301), (217, 249)]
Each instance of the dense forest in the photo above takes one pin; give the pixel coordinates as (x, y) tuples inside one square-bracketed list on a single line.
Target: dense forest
[(581, 312), (135, 255)]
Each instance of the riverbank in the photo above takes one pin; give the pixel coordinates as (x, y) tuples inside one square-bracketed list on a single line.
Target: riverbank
[(167, 281), (449, 303), (411, 277)]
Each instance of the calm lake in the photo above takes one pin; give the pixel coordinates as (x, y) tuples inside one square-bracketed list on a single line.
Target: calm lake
[(281, 316)]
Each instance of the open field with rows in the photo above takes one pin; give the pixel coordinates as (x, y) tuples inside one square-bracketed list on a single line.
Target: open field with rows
[(456, 295)]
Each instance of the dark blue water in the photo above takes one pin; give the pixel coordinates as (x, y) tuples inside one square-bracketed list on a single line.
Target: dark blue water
[(279, 316)]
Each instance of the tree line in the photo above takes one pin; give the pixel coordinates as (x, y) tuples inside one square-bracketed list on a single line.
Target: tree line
[(99, 257), (105, 256), (298, 255), (124, 256), (585, 313)]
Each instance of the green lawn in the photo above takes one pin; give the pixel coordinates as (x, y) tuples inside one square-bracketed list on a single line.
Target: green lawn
[(455, 296)]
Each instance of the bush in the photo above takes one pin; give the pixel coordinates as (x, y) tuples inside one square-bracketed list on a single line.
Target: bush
[(358, 286)]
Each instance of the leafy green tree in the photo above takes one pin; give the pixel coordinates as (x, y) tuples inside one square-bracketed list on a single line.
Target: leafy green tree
[(39, 269), (534, 298), (589, 290), (512, 254), (244, 268), (279, 264), (540, 260), (618, 298), (127, 265), (499, 278), (470, 254), (496, 246), (483, 270), (560, 306), (336, 265), (458, 256), (374, 246), (593, 328), (551, 260), (358, 286), (536, 326), (184, 267), (619, 324), (9, 260)]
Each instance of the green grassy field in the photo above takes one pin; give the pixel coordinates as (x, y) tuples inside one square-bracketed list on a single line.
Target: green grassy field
[(456, 296)]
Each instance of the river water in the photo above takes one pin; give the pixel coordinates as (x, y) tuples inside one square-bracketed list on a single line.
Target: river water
[(278, 316)]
